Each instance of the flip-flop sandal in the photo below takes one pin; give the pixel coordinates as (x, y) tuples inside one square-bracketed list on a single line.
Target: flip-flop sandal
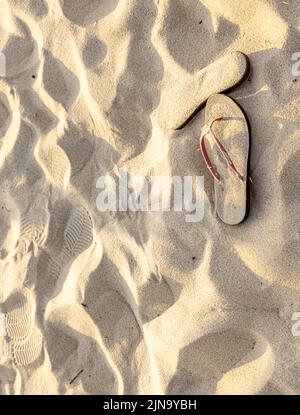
[(225, 146), (190, 93)]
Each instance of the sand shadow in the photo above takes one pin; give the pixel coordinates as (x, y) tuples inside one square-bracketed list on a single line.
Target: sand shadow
[(137, 94), (189, 30), (60, 83), (87, 12)]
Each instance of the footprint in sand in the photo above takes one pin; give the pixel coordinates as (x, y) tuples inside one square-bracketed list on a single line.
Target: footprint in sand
[(22, 52), (78, 235), (21, 55), (34, 224), (60, 83), (73, 226), (38, 8), (79, 147), (137, 95), (60, 351), (94, 53), (35, 110), (25, 340), (55, 164), (27, 351), (77, 353), (86, 12), (19, 315), (155, 299), (33, 235), (49, 270), (205, 33), (227, 362)]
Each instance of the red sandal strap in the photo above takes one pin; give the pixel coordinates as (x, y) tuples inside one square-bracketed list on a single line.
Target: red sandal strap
[(223, 151)]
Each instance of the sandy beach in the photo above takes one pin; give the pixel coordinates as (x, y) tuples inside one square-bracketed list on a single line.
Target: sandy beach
[(145, 301)]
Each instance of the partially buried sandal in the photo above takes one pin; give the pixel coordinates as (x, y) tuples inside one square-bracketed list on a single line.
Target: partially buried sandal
[(225, 147)]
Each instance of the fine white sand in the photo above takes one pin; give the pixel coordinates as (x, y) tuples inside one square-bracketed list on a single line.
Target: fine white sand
[(143, 303)]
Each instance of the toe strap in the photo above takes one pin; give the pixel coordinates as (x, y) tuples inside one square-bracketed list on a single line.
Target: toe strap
[(223, 151)]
